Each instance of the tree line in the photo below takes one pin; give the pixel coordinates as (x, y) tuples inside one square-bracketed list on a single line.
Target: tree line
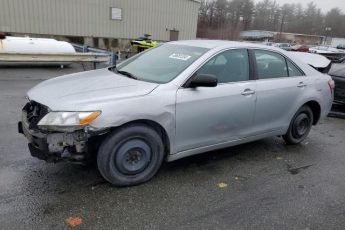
[(225, 19)]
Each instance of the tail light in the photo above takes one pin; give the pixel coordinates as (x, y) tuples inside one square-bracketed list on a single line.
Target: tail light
[(331, 85)]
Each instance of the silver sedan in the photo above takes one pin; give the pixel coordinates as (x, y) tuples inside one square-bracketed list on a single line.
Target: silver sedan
[(172, 101)]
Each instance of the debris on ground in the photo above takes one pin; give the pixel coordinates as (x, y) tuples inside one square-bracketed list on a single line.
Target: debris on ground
[(74, 221), (222, 185), (295, 171)]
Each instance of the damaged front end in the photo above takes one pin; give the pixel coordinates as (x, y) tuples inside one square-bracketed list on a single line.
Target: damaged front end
[(66, 144)]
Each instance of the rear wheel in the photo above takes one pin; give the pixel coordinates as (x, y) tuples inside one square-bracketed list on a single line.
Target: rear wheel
[(130, 155), (300, 126)]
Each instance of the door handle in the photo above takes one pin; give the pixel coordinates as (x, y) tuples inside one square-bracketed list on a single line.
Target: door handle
[(248, 92), (301, 85)]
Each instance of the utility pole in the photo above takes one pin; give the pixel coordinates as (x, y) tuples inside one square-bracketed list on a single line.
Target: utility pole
[(281, 28), (328, 29)]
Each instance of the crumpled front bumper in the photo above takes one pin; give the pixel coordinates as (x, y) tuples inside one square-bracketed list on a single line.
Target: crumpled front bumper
[(74, 145), (55, 147), (38, 145)]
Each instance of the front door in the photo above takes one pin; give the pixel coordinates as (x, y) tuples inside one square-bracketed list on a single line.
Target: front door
[(208, 116)]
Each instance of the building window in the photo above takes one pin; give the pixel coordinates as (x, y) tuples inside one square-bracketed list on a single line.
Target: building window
[(116, 13)]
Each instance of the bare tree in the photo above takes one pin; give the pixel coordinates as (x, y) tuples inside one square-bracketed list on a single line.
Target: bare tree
[(334, 20), (224, 19)]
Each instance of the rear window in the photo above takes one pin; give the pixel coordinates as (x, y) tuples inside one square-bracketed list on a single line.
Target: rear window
[(273, 65), (270, 65), (293, 70)]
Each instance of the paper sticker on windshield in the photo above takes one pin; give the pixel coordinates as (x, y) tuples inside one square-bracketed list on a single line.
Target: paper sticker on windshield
[(182, 57)]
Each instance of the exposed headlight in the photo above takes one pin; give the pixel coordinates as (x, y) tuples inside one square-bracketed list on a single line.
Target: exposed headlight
[(68, 119)]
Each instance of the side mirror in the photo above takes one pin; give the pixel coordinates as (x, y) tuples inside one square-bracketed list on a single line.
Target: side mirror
[(203, 80)]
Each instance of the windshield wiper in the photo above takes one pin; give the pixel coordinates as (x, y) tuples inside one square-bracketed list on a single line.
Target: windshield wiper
[(125, 73), (128, 74)]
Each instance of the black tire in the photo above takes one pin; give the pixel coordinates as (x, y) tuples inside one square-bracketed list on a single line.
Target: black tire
[(300, 126), (130, 155)]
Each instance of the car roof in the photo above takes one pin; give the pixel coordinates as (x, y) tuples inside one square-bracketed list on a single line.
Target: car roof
[(212, 44)]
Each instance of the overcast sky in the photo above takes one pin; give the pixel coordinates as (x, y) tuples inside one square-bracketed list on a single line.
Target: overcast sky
[(325, 5)]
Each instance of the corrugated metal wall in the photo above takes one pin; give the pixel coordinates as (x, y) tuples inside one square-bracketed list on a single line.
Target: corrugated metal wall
[(91, 18)]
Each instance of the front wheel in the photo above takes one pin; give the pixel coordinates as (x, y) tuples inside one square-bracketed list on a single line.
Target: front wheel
[(131, 155), (300, 126)]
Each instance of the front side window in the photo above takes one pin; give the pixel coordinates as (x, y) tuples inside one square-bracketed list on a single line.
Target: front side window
[(270, 65), (228, 66), (163, 63)]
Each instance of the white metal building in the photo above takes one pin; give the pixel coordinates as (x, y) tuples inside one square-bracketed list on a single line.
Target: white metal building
[(113, 19)]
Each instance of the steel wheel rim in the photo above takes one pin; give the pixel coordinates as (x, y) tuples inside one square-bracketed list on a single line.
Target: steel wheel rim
[(133, 157), (301, 125)]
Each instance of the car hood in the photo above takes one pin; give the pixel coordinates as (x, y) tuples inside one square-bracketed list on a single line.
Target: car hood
[(80, 90)]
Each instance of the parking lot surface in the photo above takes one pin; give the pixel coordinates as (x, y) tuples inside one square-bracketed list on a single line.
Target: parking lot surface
[(260, 185)]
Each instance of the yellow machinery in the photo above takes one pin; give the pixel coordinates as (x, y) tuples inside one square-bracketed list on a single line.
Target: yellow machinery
[(142, 43)]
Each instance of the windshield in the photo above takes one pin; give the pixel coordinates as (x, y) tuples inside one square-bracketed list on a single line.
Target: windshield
[(163, 63)]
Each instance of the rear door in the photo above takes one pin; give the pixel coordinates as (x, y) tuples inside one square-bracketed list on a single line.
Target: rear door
[(209, 116), (279, 85)]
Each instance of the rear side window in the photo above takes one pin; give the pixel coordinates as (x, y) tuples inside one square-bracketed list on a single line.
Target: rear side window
[(293, 70), (270, 65)]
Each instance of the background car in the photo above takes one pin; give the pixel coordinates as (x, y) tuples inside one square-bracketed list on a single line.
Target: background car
[(341, 46), (300, 48), (317, 61), (337, 73), (268, 43), (335, 55), (284, 46)]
